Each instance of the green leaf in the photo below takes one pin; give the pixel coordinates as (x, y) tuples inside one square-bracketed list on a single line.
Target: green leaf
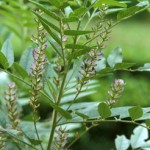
[(146, 67), (78, 53), (140, 134), (101, 3), (78, 12), (56, 48), (48, 23), (135, 112), (147, 122), (104, 110), (20, 70), (76, 32), (127, 12), (3, 61), (8, 51), (115, 57), (52, 34), (82, 115), (70, 19), (119, 66), (77, 46), (27, 60), (48, 12), (122, 143), (63, 112)]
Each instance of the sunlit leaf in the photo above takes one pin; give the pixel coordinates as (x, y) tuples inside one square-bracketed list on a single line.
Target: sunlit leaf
[(140, 134), (8, 51), (122, 143), (115, 57)]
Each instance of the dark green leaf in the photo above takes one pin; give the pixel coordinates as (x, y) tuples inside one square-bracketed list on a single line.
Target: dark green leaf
[(3, 61), (123, 65), (115, 57), (48, 12), (70, 19), (78, 53), (135, 112), (100, 3), (20, 70), (63, 112), (52, 34), (27, 60), (48, 22), (34, 141), (106, 70), (8, 51), (76, 32), (147, 122), (82, 115), (77, 46), (104, 110)]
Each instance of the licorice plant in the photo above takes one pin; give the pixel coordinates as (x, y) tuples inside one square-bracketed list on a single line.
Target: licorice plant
[(64, 64)]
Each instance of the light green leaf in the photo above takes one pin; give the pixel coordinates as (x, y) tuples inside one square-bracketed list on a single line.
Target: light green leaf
[(122, 143), (104, 110), (8, 51), (20, 70), (101, 3), (135, 112), (76, 32), (146, 67), (3, 61), (140, 134), (115, 57), (27, 60)]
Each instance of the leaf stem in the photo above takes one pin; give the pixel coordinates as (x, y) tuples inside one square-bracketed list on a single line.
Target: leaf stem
[(76, 139)]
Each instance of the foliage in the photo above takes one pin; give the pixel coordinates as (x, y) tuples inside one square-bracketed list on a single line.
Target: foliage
[(139, 139), (63, 65)]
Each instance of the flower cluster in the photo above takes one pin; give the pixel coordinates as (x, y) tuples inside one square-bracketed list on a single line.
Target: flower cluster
[(2, 143), (116, 90), (38, 66), (88, 68), (11, 98), (61, 139)]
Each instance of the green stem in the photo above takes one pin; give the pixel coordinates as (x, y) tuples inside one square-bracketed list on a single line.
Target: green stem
[(109, 121), (54, 119), (79, 137)]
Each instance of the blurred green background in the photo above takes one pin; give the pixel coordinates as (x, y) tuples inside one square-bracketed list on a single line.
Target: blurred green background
[(133, 36)]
